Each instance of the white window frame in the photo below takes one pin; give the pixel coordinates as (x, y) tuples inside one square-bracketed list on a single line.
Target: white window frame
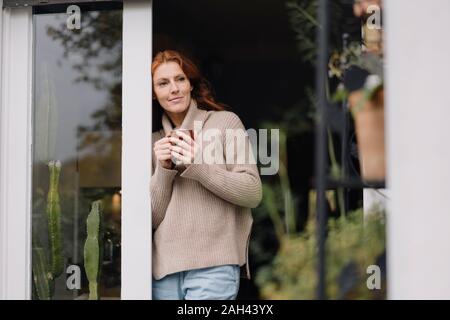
[(15, 154), (136, 150), (16, 54)]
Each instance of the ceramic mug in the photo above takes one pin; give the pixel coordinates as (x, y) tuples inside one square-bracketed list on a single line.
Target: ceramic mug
[(173, 133)]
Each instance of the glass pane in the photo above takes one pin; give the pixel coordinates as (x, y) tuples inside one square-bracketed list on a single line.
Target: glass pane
[(263, 67), (77, 121)]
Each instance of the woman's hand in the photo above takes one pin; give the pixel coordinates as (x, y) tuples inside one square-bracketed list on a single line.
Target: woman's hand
[(184, 148), (162, 152)]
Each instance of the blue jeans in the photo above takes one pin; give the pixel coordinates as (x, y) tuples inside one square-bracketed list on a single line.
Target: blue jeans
[(214, 283)]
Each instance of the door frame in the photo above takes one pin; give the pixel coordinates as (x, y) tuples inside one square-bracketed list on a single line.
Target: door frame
[(15, 153), (136, 150), (16, 150)]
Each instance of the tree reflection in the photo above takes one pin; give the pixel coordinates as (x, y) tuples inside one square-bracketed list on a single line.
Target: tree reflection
[(95, 55), (96, 52)]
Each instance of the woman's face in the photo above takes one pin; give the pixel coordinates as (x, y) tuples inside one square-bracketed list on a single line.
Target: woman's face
[(172, 88)]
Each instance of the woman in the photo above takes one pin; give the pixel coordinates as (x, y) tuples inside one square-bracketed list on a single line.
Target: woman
[(200, 211)]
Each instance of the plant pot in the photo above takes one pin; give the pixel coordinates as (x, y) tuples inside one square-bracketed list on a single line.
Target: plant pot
[(369, 126), (373, 39)]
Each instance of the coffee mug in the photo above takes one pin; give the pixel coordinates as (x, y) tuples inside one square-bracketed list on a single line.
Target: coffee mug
[(173, 133)]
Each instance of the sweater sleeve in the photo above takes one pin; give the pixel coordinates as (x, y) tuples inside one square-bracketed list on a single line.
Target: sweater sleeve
[(160, 191), (237, 182)]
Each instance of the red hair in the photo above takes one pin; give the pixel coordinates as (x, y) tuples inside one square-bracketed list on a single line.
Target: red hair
[(201, 91)]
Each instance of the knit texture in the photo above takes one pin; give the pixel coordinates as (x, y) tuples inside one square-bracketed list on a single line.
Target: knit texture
[(201, 212)]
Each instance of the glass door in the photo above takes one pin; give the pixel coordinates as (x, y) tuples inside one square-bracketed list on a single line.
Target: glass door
[(77, 145)]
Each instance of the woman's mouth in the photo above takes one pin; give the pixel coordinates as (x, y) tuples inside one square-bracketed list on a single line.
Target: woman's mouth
[(176, 99)]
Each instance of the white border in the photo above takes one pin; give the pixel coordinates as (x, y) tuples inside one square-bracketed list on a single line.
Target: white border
[(15, 154), (136, 150)]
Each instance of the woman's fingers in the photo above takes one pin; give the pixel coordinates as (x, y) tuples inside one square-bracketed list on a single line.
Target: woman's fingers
[(162, 147), (184, 159), (181, 143), (181, 148), (185, 137), (165, 157), (184, 152), (162, 142), (162, 150), (161, 155)]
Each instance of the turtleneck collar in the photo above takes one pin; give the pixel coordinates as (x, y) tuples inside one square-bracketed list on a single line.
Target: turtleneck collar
[(193, 114)]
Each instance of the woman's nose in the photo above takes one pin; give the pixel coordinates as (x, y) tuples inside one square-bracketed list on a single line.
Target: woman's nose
[(173, 87)]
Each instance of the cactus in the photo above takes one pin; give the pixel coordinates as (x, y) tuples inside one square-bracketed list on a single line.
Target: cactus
[(46, 117), (48, 264), (93, 248), (54, 221), (41, 277), (46, 268)]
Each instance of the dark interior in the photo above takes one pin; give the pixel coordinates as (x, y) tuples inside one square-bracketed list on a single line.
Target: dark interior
[(248, 51), (245, 48)]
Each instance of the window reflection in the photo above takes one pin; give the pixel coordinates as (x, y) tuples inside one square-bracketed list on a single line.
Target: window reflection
[(77, 155)]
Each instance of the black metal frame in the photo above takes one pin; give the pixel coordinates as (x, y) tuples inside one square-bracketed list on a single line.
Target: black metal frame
[(321, 149)]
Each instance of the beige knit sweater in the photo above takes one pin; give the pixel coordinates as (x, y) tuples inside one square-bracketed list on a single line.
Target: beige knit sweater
[(201, 212)]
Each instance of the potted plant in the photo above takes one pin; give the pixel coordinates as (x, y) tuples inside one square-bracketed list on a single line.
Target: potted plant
[(361, 77), (359, 68), (367, 108), (354, 242)]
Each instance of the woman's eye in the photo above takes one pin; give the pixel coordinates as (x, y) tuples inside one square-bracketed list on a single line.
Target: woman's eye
[(181, 79), (162, 84)]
